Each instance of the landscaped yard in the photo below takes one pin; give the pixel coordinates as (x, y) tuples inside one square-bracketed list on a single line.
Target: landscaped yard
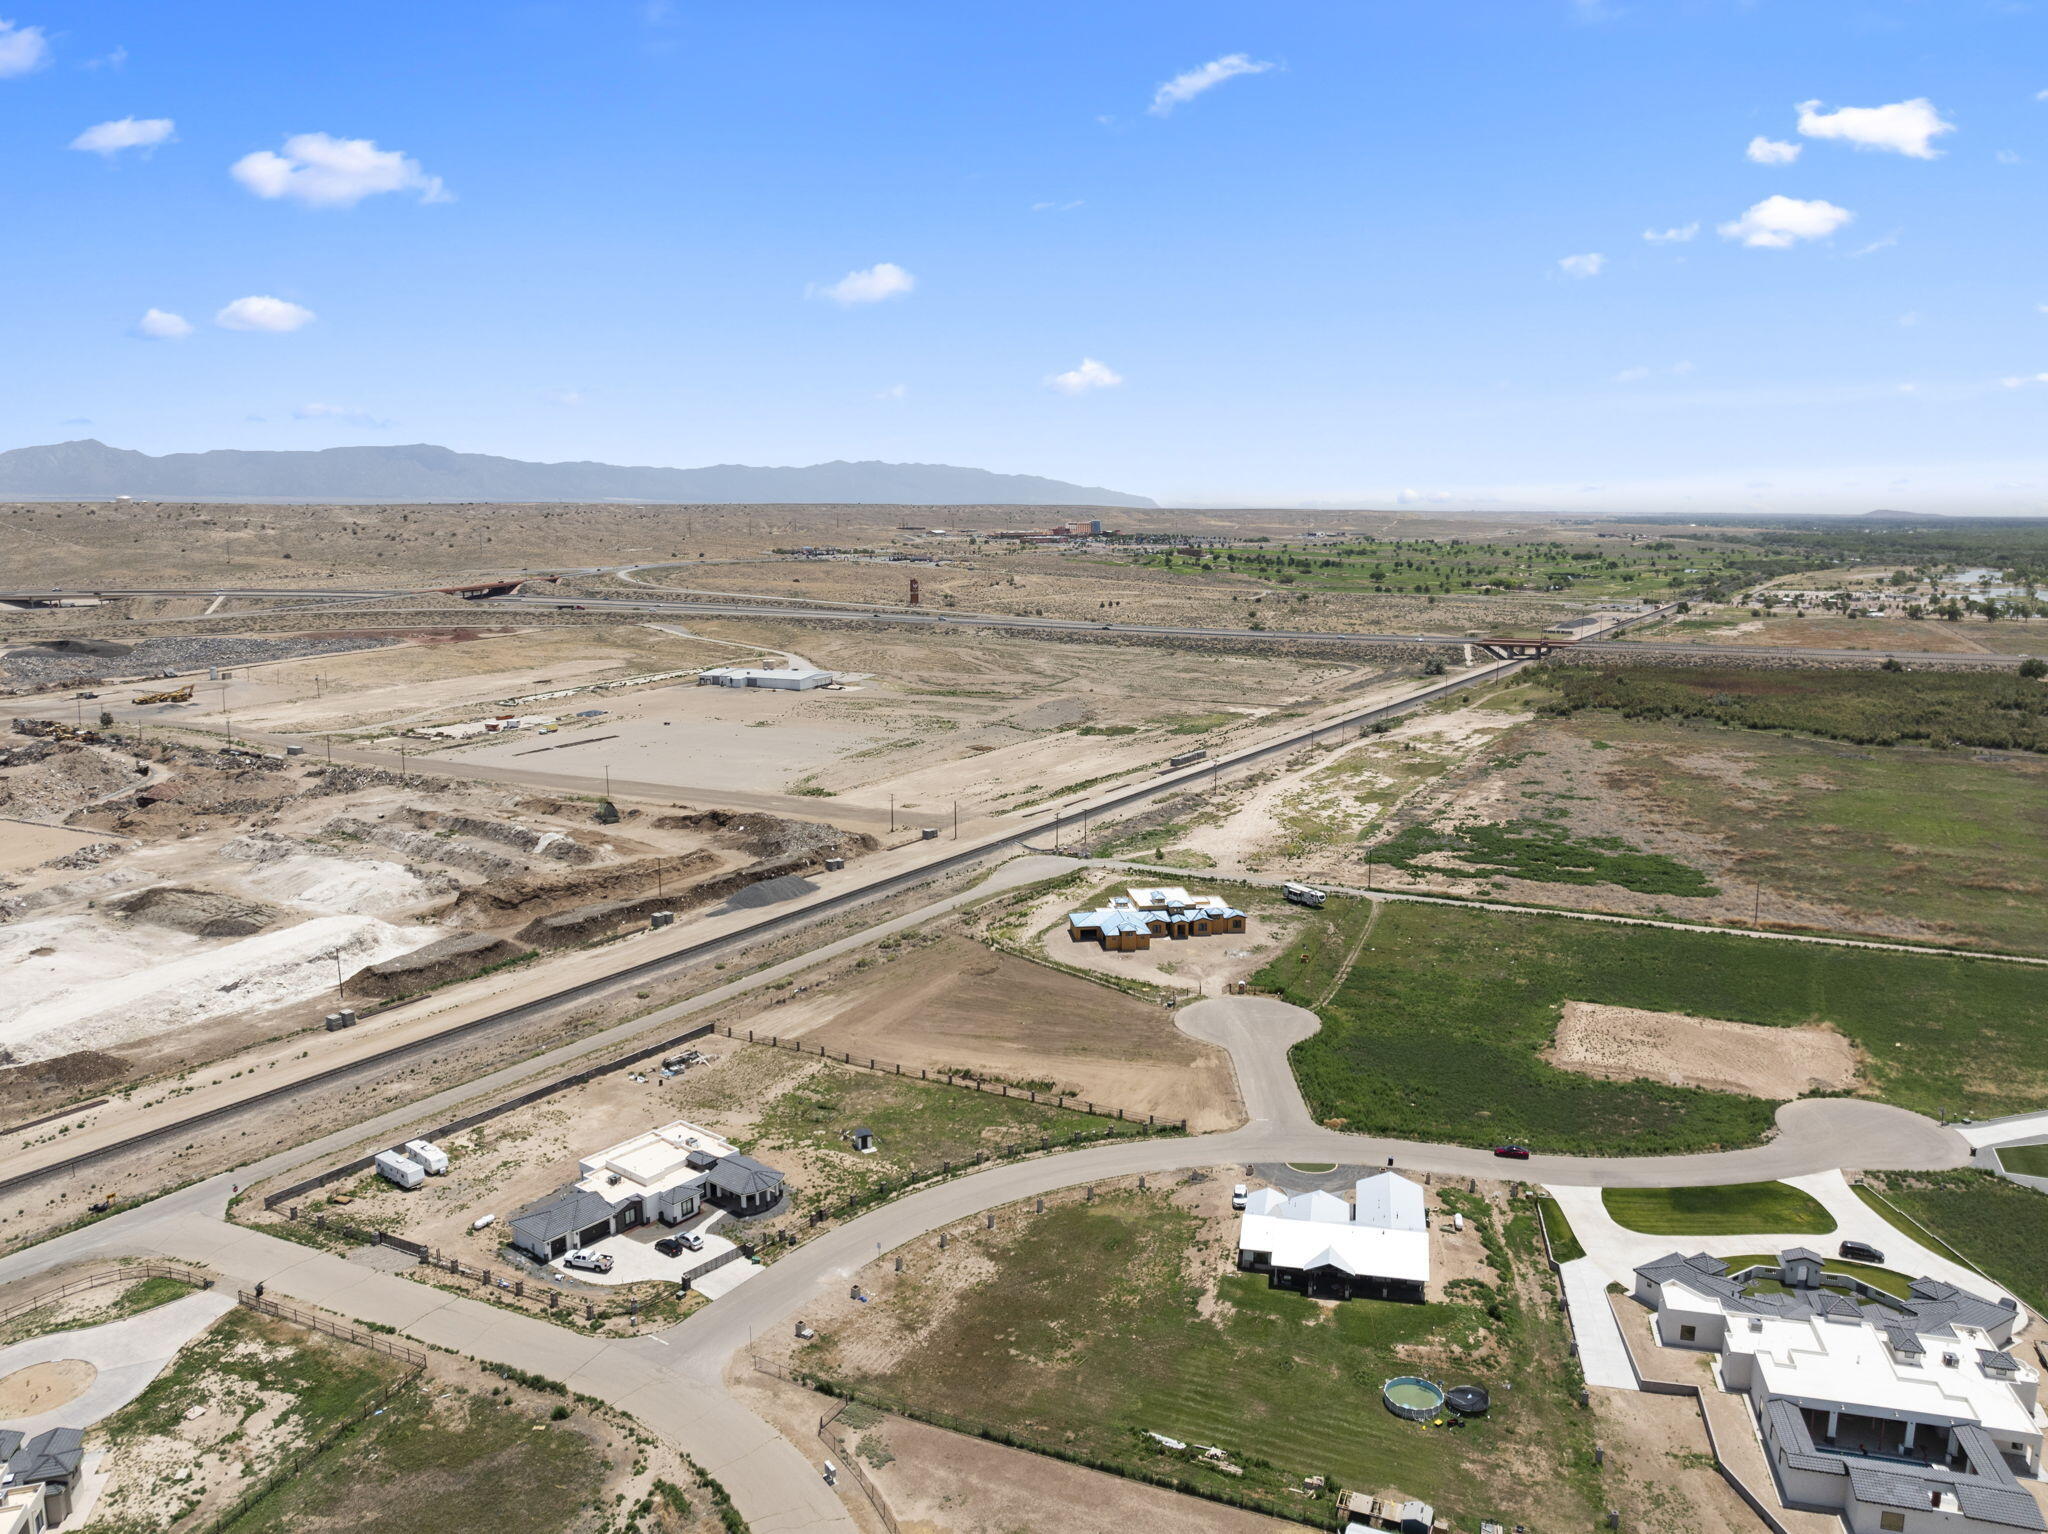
[(2027, 1160), (1084, 1330), (1773, 1208), (1988, 1222), (1886, 1279), (1439, 1031)]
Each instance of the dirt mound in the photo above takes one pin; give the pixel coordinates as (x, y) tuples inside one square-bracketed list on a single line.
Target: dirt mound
[(543, 894), (201, 912), (769, 835), (771, 892), (63, 782), (606, 918), (1752, 1059), (437, 964), (558, 845)]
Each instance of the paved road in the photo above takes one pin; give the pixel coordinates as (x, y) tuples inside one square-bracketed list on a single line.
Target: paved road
[(675, 1382), (952, 618)]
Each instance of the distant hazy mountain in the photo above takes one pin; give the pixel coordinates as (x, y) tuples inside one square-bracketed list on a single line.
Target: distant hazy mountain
[(65, 470)]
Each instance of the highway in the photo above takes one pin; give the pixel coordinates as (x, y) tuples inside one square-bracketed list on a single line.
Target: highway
[(953, 619)]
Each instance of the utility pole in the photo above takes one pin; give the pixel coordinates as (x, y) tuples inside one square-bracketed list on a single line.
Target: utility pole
[(956, 820), (1756, 914), (340, 986), (892, 813)]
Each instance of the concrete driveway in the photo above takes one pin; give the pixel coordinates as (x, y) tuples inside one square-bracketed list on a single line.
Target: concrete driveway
[(128, 1355)]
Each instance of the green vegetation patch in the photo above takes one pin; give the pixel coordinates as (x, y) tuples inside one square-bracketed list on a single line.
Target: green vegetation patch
[(1881, 708), (449, 1465), (919, 1127), (2027, 1160), (1898, 1284), (1091, 1333), (1990, 1223), (1545, 853), (1731, 1210), (1564, 1241), (116, 1304), (1438, 1031)]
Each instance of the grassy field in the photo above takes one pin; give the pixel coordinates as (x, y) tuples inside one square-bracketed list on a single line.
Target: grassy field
[(1546, 853), (1872, 707), (1091, 1332), (1991, 1223), (2027, 1160), (1955, 840), (918, 1127), (1564, 1241), (1437, 1032), (445, 1464), (1770, 1207)]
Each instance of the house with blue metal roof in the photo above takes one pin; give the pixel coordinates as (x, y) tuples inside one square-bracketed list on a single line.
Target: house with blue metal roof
[(1126, 923)]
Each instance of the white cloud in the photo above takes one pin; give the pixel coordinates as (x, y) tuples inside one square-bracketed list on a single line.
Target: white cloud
[(1904, 127), (2022, 382), (1882, 242), (1771, 151), (1631, 375), (1089, 375), (885, 279), (23, 50), (1056, 207), (1681, 368), (261, 312), (110, 138), (894, 391), (562, 397), (2009, 157), (114, 60), (1589, 265), (327, 172), (162, 325), (1189, 84), (1678, 234), (343, 413), (1778, 222), (1909, 319)]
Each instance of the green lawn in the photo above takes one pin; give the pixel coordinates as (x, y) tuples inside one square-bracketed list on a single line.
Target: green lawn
[(1878, 1278), (1564, 1241), (1735, 1209), (1542, 852), (115, 1303), (1089, 1334), (2028, 1160), (1437, 1032), (1990, 1223)]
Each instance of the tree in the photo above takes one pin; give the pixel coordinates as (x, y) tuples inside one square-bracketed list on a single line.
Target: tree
[(2034, 666)]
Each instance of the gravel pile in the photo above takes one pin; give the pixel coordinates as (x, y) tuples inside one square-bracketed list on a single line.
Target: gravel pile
[(74, 661)]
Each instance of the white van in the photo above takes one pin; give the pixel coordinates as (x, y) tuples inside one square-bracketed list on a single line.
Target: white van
[(1240, 1196), (428, 1155), (402, 1170)]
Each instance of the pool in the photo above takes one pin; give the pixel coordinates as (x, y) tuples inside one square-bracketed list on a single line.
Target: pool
[(1416, 1399)]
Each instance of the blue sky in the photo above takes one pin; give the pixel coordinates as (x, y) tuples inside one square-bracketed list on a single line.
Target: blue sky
[(1376, 252)]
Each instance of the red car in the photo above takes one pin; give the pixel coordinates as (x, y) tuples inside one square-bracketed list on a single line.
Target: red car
[(1512, 1152)]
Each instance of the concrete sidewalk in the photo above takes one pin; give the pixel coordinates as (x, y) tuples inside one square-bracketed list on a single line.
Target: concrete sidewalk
[(1603, 1356)]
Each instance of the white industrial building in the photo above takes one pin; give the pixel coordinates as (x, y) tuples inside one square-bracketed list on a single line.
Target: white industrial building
[(1903, 1415), (792, 679), (1376, 1246)]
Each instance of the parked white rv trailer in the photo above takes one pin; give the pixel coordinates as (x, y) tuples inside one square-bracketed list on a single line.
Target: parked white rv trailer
[(1303, 894), (428, 1155), (400, 1169)]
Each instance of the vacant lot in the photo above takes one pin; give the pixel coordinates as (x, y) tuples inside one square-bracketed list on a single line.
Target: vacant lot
[(1615, 1042), (954, 1003), (89, 1307), (1440, 1030), (1083, 1330), (1769, 1208)]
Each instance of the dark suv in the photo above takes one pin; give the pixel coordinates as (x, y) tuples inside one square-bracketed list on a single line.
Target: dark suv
[(1860, 1251)]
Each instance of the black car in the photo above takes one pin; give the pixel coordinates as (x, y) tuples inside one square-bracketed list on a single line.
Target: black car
[(1860, 1251), (669, 1246), (1512, 1152)]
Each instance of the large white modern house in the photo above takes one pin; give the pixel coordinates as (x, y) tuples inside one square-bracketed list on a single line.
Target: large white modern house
[(1378, 1245), (1904, 1415)]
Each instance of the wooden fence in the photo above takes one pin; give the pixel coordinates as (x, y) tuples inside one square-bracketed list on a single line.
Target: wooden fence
[(128, 1274)]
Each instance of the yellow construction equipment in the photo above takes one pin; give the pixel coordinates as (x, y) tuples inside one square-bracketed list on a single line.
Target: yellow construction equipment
[(175, 695)]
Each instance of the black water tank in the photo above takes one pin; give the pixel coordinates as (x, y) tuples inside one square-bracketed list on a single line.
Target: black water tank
[(1468, 1400)]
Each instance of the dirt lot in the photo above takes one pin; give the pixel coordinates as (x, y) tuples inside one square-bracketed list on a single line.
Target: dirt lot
[(1626, 1042), (954, 1003)]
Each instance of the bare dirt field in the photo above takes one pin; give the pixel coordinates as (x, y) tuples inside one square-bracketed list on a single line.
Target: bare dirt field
[(44, 1387), (954, 1003), (1628, 1042)]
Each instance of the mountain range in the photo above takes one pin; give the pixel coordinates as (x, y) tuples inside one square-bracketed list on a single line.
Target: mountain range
[(421, 472)]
